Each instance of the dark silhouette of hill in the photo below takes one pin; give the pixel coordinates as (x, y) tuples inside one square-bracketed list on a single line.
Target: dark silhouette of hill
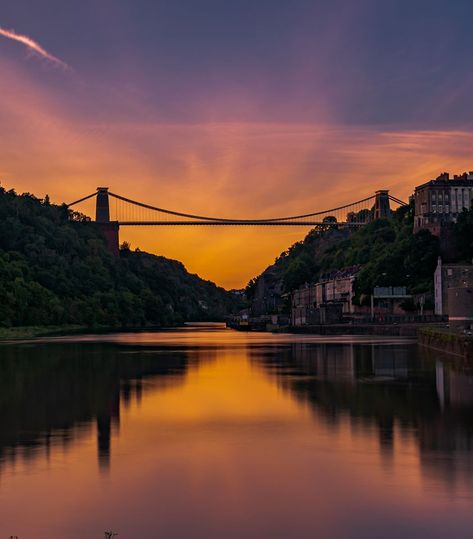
[(56, 270)]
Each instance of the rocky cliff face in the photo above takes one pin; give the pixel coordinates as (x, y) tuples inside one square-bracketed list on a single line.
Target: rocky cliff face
[(268, 292)]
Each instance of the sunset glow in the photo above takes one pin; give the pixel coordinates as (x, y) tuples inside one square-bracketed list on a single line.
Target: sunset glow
[(223, 139), (236, 269)]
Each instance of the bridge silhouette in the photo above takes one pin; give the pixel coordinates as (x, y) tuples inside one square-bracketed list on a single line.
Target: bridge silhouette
[(127, 212)]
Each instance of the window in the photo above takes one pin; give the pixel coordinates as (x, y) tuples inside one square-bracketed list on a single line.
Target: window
[(447, 209), (434, 208)]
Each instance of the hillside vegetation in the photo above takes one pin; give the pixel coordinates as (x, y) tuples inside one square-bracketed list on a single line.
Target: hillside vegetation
[(55, 270), (386, 249)]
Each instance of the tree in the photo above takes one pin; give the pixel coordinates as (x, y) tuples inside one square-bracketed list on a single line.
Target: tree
[(55, 269), (297, 273), (463, 232)]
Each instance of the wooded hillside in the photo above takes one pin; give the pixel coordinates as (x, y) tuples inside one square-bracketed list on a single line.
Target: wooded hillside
[(55, 269)]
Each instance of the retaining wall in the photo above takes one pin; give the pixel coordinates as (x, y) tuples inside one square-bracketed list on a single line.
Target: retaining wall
[(444, 341)]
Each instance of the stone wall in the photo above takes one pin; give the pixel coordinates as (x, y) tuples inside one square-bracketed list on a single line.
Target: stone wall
[(445, 341)]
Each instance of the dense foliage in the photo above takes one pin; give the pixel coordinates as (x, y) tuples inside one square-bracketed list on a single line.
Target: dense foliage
[(55, 269), (463, 234), (386, 249)]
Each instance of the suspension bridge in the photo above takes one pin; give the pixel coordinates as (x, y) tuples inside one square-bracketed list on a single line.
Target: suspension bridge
[(113, 211)]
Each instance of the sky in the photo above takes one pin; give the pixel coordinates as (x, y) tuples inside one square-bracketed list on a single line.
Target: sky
[(247, 109)]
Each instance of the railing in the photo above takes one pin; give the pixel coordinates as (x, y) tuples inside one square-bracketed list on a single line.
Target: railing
[(128, 212)]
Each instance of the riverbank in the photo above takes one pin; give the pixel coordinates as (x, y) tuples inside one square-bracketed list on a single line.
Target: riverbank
[(389, 330), (434, 336), (445, 340), (30, 332)]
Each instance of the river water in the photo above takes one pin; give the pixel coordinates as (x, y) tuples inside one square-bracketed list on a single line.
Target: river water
[(206, 433)]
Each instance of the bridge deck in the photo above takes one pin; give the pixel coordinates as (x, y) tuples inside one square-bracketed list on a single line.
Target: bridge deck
[(237, 223)]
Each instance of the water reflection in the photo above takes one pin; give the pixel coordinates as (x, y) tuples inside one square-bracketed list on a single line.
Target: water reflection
[(55, 394), (215, 433), (384, 387)]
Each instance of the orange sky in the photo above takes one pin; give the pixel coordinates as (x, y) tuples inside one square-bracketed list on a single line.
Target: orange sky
[(237, 169)]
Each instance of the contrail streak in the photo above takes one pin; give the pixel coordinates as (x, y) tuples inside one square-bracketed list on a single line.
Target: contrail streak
[(33, 46)]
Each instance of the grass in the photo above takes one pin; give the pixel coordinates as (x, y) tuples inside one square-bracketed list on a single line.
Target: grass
[(30, 332)]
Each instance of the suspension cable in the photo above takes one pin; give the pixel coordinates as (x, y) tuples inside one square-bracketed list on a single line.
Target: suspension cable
[(205, 218), (398, 201), (82, 199), (221, 219)]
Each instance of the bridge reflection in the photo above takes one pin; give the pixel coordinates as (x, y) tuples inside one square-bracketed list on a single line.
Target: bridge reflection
[(55, 395)]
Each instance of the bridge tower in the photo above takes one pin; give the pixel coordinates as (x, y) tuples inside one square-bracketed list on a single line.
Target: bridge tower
[(110, 229), (382, 209)]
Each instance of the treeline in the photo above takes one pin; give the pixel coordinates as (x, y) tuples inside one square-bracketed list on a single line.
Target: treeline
[(55, 270), (386, 249)]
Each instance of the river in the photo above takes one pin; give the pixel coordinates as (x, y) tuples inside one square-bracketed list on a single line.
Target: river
[(207, 433)]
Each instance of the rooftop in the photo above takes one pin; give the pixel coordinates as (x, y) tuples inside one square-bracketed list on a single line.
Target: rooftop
[(444, 180), (343, 273)]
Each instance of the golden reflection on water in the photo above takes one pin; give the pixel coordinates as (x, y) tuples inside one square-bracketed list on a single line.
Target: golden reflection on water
[(207, 434)]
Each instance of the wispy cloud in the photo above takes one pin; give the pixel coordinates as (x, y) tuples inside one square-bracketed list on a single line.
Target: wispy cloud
[(33, 46)]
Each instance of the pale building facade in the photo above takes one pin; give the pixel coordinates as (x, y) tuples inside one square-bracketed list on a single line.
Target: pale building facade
[(440, 201), (337, 287)]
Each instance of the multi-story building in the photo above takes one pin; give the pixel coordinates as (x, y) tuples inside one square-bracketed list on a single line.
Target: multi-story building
[(338, 286), (440, 201), (334, 288), (453, 284), (303, 304)]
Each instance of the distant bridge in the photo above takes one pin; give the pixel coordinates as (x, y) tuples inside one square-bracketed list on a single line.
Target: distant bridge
[(128, 212)]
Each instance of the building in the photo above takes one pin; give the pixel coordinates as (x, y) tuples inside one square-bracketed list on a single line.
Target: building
[(460, 307), (440, 201), (453, 284), (338, 286), (312, 303), (303, 303), (389, 300)]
